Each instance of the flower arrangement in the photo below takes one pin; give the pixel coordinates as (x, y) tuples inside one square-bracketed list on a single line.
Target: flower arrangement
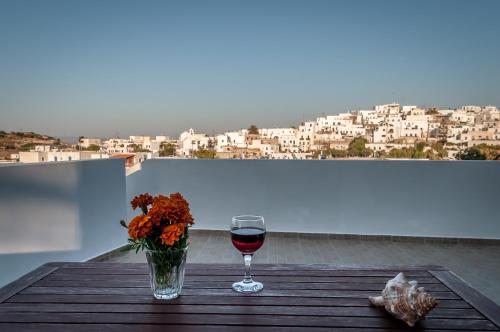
[(162, 225), (162, 230)]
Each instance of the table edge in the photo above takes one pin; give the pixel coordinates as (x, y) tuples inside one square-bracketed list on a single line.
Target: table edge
[(331, 267), (469, 294), (11, 289)]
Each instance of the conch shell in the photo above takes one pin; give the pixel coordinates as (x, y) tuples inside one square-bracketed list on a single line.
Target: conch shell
[(404, 300)]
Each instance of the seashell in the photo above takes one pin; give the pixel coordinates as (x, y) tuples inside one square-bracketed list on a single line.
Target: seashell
[(404, 300)]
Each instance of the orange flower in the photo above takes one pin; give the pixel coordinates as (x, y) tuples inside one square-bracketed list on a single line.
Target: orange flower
[(140, 227), (172, 233), (142, 201), (173, 209)]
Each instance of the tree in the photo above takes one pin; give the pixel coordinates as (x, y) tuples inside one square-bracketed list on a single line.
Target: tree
[(167, 150), (27, 147), (138, 148), (380, 154), (416, 152), (432, 111), (357, 148), (440, 150), (490, 152), (253, 130), (338, 153), (443, 130), (470, 154), (92, 147), (204, 154)]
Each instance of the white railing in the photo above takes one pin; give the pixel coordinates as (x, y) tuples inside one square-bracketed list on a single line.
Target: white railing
[(403, 198)]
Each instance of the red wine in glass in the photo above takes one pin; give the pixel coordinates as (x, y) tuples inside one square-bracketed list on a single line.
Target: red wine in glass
[(247, 234), (248, 239)]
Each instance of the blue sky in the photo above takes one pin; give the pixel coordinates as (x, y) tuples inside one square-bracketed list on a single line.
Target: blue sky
[(103, 68)]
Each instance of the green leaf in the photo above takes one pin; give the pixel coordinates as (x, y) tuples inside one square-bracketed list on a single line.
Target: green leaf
[(128, 247), (123, 223)]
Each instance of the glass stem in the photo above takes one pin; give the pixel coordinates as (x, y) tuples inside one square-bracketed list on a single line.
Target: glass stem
[(248, 261)]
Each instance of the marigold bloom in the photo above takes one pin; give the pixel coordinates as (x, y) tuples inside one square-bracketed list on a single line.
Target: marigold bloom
[(172, 233), (140, 227), (173, 209), (142, 201)]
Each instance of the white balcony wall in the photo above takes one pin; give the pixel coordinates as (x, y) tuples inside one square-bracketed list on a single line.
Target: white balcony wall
[(406, 198), (67, 211)]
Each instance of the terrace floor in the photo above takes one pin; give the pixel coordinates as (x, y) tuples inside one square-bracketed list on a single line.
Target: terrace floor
[(477, 263)]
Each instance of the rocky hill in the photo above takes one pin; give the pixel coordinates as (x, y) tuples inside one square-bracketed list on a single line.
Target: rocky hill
[(14, 142)]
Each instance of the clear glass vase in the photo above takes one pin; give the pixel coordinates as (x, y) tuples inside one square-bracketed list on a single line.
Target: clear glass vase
[(166, 272)]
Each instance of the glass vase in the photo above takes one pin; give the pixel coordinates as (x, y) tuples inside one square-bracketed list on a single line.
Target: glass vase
[(166, 272)]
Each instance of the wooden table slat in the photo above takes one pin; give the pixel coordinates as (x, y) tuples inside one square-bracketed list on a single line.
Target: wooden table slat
[(317, 279), (366, 311), (260, 267), (230, 319), (238, 271), (219, 292), (212, 300), (37, 327), (134, 283)]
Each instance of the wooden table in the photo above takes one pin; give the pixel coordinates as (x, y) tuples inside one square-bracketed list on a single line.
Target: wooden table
[(117, 297)]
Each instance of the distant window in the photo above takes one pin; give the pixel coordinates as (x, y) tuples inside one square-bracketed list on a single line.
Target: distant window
[(43, 159)]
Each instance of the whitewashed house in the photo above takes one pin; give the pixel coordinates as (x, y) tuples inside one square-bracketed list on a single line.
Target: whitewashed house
[(190, 142)]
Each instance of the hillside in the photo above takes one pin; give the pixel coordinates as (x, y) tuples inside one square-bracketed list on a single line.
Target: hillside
[(14, 142)]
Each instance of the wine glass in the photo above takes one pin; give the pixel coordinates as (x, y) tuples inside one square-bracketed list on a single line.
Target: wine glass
[(247, 234)]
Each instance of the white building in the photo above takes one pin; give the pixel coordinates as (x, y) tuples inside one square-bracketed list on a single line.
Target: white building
[(237, 138), (472, 108), (151, 144), (305, 135), (408, 108), (86, 142), (290, 155), (415, 124), (190, 142), (393, 108), (276, 133), (463, 116), (43, 148), (117, 146), (458, 134), (265, 147), (384, 133), (56, 156), (370, 118), (221, 141)]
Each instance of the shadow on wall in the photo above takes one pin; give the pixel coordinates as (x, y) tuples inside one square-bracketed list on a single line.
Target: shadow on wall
[(66, 211), (39, 212)]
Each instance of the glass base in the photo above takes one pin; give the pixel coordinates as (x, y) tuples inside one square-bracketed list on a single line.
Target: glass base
[(248, 287), (166, 294)]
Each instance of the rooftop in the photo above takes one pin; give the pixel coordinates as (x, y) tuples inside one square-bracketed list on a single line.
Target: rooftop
[(474, 261)]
